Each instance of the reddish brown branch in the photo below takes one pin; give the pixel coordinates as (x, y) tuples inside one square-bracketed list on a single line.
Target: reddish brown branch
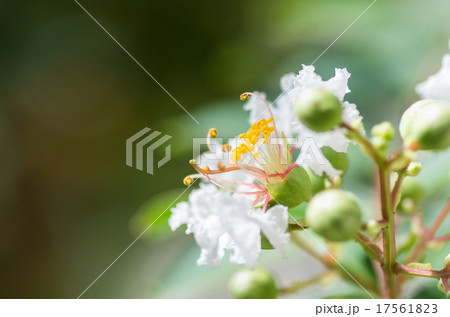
[(414, 271)]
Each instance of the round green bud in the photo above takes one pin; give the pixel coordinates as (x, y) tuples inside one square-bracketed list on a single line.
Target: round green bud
[(334, 214), (339, 160), (426, 125), (373, 227), (317, 182), (253, 284), (318, 109), (294, 189), (412, 194), (385, 130), (414, 168)]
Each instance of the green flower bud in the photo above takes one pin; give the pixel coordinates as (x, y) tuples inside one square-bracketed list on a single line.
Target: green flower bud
[(414, 168), (380, 144), (339, 160), (385, 130), (403, 160), (441, 287), (253, 284), (373, 227), (294, 189), (334, 214), (317, 182), (426, 125), (412, 194), (447, 262), (318, 109), (418, 265)]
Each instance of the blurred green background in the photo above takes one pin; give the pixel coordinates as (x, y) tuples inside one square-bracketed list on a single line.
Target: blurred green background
[(70, 97)]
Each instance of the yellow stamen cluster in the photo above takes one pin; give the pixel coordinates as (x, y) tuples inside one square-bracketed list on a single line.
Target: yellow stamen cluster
[(251, 137)]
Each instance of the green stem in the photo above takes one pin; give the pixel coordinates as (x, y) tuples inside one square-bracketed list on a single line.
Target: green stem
[(388, 232)]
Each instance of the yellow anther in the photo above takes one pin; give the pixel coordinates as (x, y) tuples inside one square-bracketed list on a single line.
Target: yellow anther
[(270, 120), (187, 181), (226, 148), (206, 168), (213, 132), (221, 166), (255, 154), (192, 162), (243, 136), (244, 96)]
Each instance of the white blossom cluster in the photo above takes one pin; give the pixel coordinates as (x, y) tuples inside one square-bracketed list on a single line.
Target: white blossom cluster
[(221, 220)]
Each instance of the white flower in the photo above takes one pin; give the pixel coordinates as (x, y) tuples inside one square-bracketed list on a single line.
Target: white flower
[(223, 221), (437, 86), (288, 123)]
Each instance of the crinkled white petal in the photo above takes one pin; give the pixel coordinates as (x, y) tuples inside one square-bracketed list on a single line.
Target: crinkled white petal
[(289, 123), (223, 221), (307, 78), (437, 86)]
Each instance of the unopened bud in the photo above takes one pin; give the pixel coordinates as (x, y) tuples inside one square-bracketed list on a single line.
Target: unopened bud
[(403, 160), (418, 265), (253, 284), (385, 130), (414, 168), (426, 125), (334, 214), (412, 194), (373, 227), (318, 109), (441, 287), (380, 144)]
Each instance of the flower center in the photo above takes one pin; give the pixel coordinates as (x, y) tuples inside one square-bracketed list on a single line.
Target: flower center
[(250, 138)]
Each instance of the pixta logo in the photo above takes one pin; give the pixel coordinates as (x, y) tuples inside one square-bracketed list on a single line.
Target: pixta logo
[(141, 146)]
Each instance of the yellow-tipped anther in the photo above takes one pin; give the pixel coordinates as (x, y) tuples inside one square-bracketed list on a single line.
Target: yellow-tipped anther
[(206, 168), (221, 166), (187, 181), (244, 96), (212, 133), (226, 148), (192, 162)]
